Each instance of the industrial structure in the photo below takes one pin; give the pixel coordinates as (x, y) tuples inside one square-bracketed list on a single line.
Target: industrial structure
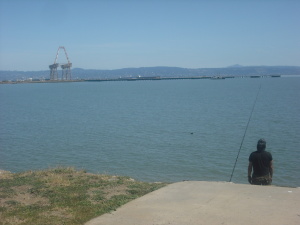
[(66, 67)]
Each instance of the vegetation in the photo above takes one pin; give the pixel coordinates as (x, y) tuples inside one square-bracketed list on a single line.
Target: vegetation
[(64, 195)]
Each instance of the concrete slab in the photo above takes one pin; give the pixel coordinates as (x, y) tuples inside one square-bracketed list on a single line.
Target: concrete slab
[(201, 202)]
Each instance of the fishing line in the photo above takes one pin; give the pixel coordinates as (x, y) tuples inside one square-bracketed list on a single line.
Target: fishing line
[(244, 134)]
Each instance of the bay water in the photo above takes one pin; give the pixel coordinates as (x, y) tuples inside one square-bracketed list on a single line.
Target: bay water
[(167, 130)]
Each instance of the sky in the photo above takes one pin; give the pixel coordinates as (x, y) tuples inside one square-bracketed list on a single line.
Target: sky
[(115, 34)]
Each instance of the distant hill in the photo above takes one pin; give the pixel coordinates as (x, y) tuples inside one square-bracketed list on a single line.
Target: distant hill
[(235, 70)]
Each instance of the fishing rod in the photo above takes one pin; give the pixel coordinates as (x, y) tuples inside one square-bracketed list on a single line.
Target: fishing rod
[(244, 134)]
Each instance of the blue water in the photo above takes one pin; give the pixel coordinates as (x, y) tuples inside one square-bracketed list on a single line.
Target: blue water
[(152, 130)]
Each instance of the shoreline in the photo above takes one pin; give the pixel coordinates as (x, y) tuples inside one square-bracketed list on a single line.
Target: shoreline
[(3, 172), (69, 196), (157, 78)]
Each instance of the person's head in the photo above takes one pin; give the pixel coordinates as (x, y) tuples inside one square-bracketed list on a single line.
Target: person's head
[(261, 145)]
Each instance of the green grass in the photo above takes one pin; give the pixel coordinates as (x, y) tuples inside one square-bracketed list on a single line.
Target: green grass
[(64, 196)]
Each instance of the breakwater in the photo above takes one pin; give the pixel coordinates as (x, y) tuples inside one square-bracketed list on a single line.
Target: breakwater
[(137, 79)]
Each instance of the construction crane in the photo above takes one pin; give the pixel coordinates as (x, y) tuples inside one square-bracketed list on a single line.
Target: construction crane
[(66, 68)]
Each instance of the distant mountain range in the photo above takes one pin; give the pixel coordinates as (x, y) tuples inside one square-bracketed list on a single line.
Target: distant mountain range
[(235, 70)]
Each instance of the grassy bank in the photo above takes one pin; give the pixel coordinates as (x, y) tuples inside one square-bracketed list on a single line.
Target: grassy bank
[(64, 195)]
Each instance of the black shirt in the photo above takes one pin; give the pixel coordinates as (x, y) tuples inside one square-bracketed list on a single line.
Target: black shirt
[(261, 163)]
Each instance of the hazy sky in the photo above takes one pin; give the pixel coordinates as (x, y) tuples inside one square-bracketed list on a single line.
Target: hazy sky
[(112, 34)]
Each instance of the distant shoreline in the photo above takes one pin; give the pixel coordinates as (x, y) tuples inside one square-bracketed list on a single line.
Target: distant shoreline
[(138, 79)]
